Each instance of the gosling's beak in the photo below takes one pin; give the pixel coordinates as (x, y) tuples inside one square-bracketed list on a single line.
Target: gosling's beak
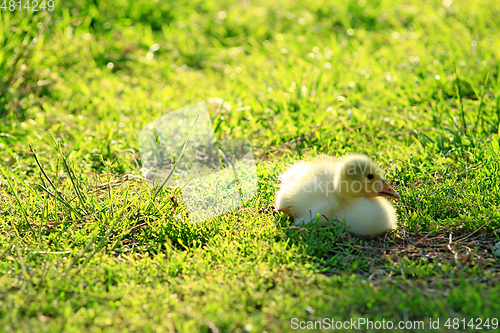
[(388, 191)]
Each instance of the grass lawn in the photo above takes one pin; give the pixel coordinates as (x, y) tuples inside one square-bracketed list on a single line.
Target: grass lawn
[(85, 245)]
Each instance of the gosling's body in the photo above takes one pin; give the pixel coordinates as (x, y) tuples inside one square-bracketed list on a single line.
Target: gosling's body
[(369, 216), (329, 187)]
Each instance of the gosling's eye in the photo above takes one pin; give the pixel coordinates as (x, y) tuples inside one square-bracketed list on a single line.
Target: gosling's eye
[(370, 176)]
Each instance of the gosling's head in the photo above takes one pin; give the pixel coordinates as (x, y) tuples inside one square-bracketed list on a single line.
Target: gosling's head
[(359, 176)]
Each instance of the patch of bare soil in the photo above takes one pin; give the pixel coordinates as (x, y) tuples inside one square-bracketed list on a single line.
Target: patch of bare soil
[(460, 250)]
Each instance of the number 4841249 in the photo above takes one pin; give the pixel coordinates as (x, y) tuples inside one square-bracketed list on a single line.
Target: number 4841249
[(33, 5), (474, 323)]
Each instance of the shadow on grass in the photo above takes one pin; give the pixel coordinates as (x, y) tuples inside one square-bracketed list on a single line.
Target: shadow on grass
[(440, 257)]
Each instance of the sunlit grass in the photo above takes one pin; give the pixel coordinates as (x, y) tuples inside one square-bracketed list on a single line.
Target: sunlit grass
[(86, 244)]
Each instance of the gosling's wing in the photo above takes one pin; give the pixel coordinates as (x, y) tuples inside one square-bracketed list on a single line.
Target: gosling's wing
[(294, 173), (308, 188), (290, 187)]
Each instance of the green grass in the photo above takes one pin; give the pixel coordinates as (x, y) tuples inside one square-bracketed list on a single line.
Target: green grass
[(83, 246)]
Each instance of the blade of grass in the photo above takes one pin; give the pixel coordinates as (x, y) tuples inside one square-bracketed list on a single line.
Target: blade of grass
[(497, 92), (25, 215), (23, 266), (174, 166), (7, 249), (481, 104), (59, 195), (70, 173), (460, 102)]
